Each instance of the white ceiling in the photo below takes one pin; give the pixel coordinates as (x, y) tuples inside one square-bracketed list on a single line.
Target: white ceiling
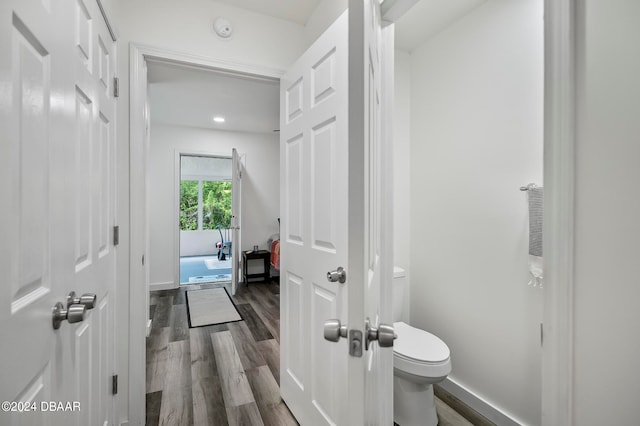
[(185, 96), (424, 20), (297, 11)]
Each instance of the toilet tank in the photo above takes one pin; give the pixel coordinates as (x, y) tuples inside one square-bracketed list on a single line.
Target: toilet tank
[(399, 283)]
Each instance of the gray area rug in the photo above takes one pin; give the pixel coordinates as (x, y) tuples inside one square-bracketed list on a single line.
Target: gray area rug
[(210, 306)]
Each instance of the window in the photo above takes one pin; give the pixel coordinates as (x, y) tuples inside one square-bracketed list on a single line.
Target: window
[(189, 205), (205, 205), (216, 205)]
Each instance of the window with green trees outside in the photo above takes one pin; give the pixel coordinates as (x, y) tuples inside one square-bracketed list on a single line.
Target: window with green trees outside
[(209, 200), (189, 205)]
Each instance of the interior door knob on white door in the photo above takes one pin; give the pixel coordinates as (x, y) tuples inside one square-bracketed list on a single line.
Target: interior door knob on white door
[(74, 313), (338, 275), (384, 334), (334, 330), (87, 299)]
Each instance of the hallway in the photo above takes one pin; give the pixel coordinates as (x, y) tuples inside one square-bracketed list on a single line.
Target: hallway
[(220, 374)]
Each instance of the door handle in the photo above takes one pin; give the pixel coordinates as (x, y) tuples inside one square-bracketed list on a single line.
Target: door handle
[(334, 330), (384, 334), (73, 313), (87, 299), (338, 275)]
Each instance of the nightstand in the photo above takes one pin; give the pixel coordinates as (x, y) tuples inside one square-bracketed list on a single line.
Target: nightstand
[(265, 256)]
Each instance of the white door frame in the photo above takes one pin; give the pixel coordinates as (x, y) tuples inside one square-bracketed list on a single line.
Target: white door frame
[(138, 284), (559, 216), (559, 165), (176, 201)]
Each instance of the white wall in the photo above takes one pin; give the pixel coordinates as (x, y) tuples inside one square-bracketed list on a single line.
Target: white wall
[(401, 170), (200, 243), (260, 188), (187, 26), (322, 17), (476, 137), (607, 229)]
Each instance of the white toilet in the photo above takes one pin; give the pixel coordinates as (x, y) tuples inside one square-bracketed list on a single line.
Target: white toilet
[(420, 359)]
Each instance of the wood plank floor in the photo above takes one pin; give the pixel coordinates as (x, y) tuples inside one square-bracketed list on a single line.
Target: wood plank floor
[(223, 374), (226, 374)]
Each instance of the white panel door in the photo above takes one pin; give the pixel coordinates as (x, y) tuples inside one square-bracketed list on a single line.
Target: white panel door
[(57, 182), (332, 203), (313, 238), (370, 135), (236, 210)]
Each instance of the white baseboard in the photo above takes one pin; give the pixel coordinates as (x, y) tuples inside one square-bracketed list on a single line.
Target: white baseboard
[(169, 285), (148, 327), (492, 413)]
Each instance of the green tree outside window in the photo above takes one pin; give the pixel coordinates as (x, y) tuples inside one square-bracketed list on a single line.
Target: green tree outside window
[(189, 205), (215, 205)]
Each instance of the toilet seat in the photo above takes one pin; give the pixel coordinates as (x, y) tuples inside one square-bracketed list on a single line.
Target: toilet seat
[(419, 352)]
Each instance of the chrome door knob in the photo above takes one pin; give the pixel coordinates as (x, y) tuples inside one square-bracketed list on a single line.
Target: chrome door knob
[(338, 275), (74, 313), (384, 334), (87, 299), (333, 330)]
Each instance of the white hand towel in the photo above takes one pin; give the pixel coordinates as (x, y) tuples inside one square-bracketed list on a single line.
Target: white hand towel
[(536, 269)]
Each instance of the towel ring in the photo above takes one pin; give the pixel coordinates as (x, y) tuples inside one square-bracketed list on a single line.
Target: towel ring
[(528, 187)]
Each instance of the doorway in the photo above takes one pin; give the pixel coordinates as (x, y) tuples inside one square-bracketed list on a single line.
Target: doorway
[(204, 215), (252, 135)]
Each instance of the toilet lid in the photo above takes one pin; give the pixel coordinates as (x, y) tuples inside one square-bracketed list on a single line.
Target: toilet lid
[(419, 345)]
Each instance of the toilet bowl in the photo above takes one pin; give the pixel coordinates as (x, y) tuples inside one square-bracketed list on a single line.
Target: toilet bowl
[(420, 359)]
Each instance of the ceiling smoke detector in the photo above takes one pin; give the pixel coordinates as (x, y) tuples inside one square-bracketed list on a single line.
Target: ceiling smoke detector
[(222, 27)]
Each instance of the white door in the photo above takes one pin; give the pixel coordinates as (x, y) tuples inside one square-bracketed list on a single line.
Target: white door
[(236, 209), (57, 185), (334, 211)]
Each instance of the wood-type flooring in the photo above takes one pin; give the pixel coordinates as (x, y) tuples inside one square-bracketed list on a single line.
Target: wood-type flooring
[(226, 374)]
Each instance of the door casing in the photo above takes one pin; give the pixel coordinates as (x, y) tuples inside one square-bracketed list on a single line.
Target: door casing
[(138, 281), (176, 200)]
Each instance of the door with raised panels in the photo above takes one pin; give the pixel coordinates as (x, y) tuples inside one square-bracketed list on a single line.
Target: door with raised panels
[(335, 214), (376, 264), (57, 185), (313, 236)]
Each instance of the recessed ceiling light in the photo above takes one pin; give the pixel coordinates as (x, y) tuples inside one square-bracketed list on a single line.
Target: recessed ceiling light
[(218, 119)]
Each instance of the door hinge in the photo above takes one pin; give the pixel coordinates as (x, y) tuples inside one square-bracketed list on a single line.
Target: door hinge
[(116, 87), (143, 260), (541, 335), (116, 235), (114, 384)]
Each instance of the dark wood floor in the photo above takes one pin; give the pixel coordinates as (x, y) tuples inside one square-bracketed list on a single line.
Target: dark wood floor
[(226, 374), (216, 375)]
